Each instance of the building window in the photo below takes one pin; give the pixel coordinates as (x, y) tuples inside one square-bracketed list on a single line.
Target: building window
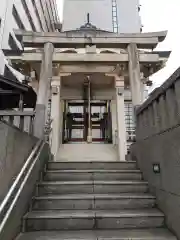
[(37, 14), (44, 15), (53, 7), (50, 2), (13, 45), (28, 15), (49, 16), (17, 18)]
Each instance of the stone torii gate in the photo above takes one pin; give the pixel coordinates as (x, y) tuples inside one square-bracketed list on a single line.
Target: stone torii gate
[(117, 56)]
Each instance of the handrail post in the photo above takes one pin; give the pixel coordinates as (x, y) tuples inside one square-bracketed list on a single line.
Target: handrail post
[(21, 114), (21, 123), (31, 125)]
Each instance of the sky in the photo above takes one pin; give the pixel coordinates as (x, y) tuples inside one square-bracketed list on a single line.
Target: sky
[(158, 15)]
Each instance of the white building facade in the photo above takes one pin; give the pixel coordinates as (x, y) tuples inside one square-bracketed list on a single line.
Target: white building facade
[(29, 15), (120, 16)]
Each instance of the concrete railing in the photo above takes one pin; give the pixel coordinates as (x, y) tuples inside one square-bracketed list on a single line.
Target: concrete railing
[(24, 120), (157, 147), (161, 111)]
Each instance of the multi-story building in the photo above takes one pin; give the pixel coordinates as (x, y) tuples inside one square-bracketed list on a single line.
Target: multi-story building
[(29, 15), (111, 15)]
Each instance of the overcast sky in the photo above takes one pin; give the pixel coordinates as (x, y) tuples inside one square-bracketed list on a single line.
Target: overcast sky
[(158, 15)]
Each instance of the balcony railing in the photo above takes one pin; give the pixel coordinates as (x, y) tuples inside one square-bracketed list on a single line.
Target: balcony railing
[(23, 120)]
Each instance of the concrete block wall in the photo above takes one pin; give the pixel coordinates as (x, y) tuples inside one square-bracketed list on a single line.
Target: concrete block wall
[(158, 142), (162, 149), (15, 146)]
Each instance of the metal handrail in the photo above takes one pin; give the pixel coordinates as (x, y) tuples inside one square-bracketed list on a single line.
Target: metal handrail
[(10, 200)]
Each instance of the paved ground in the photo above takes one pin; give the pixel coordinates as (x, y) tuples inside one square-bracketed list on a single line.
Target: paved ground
[(87, 152)]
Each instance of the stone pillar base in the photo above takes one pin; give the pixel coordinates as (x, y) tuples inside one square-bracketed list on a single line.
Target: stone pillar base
[(89, 137), (39, 121)]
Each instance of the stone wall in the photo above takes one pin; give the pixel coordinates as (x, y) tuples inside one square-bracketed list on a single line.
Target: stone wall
[(15, 146), (158, 142)]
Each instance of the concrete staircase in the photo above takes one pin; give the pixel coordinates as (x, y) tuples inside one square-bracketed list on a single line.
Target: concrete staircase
[(93, 200)]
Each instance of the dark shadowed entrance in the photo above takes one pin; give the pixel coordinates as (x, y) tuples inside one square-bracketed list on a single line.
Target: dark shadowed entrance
[(76, 121)]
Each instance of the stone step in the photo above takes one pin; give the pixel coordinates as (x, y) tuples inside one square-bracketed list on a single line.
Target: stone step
[(93, 201), (76, 187), (91, 165), (87, 152), (93, 174), (134, 234), (91, 219)]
